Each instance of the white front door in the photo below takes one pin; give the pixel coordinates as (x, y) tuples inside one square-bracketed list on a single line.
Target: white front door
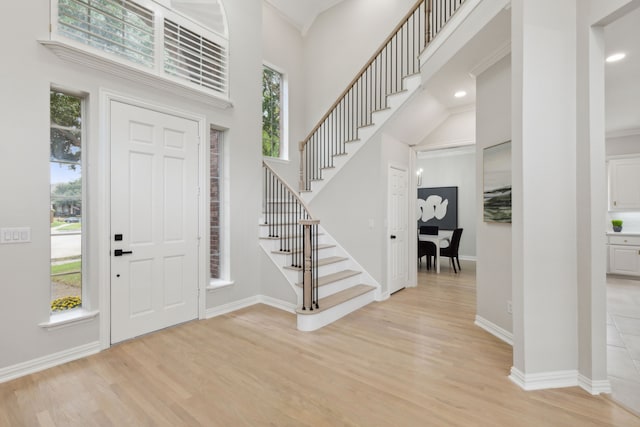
[(154, 220), (397, 229)]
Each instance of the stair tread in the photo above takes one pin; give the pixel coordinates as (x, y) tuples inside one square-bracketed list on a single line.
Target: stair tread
[(338, 298), (294, 236), (321, 262), (321, 246), (334, 277)]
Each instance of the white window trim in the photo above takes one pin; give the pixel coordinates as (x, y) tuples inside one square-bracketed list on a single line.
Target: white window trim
[(217, 284), (284, 119), (155, 77), (59, 319), (225, 213), (66, 318)]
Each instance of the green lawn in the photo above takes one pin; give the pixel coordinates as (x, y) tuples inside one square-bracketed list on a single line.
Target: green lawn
[(56, 223), (71, 227), (73, 278)]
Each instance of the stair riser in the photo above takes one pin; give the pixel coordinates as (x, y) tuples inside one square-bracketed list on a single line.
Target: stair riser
[(296, 276), (340, 285), (312, 322), (275, 245)]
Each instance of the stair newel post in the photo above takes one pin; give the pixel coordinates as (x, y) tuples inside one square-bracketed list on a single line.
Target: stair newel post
[(309, 291)]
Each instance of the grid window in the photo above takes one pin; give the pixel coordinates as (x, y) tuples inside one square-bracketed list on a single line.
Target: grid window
[(66, 200)]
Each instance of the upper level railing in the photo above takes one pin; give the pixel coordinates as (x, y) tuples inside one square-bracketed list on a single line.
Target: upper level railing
[(290, 223), (382, 75)]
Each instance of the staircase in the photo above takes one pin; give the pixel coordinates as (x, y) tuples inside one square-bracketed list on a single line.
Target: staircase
[(340, 285), (327, 281), (378, 91)]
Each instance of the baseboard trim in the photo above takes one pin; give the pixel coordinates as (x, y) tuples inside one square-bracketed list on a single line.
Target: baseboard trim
[(544, 380), (248, 302), (594, 387), (277, 303), (494, 330), (35, 365)]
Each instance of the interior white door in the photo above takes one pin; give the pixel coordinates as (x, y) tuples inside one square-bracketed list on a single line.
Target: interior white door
[(154, 220), (398, 229)]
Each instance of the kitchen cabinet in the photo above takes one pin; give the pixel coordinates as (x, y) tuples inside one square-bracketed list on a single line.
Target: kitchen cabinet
[(624, 253), (624, 190)]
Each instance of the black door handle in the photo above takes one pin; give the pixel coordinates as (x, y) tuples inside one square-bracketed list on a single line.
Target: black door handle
[(120, 252), (393, 236)]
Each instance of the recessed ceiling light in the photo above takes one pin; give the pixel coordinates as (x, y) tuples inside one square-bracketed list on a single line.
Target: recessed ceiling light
[(616, 57), (460, 94)]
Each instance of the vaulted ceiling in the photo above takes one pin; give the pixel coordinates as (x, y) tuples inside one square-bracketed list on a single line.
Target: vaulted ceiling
[(622, 86), (302, 13)]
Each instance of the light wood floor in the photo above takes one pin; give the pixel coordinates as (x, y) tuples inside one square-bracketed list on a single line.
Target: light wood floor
[(414, 360)]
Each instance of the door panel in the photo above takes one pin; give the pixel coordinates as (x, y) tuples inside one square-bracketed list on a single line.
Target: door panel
[(398, 229), (154, 206)]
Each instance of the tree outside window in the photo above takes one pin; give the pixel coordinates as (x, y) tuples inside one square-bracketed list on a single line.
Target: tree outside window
[(66, 201), (271, 112)]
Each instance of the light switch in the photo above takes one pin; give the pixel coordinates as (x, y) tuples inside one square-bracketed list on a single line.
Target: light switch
[(15, 235)]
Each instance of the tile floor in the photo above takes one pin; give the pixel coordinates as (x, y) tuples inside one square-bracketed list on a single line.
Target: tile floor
[(623, 340)]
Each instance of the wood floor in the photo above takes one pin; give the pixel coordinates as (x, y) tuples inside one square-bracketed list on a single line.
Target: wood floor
[(414, 360)]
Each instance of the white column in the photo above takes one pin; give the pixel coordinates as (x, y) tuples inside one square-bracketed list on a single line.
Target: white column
[(544, 229)]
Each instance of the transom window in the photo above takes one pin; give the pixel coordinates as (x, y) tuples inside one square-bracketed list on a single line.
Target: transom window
[(120, 27), (175, 47)]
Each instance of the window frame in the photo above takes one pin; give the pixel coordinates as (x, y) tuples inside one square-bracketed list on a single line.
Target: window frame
[(59, 318), (71, 49), (224, 247), (283, 154)]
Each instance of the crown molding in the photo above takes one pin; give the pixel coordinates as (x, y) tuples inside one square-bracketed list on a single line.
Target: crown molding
[(491, 59)]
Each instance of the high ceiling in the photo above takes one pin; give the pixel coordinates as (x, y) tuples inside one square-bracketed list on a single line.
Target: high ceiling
[(302, 13), (437, 101)]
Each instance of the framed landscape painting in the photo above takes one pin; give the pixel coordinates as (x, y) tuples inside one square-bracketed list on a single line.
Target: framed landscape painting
[(497, 183)]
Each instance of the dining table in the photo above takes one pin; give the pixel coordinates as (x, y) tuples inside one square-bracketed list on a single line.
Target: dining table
[(441, 237)]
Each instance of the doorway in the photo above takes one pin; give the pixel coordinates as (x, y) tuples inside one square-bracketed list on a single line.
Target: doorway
[(398, 202), (154, 220)]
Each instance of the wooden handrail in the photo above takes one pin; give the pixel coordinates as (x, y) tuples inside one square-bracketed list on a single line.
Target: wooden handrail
[(364, 69), (397, 58)]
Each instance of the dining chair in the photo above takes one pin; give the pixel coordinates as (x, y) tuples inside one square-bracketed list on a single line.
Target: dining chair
[(428, 249), (451, 251)]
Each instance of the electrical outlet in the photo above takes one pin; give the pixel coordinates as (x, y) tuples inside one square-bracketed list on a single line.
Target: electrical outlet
[(509, 307)]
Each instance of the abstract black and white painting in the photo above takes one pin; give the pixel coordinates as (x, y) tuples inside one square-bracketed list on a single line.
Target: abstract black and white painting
[(438, 206), (497, 183)]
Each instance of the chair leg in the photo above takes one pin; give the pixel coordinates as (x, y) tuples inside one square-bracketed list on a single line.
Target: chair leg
[(453, 262), (458, 260)]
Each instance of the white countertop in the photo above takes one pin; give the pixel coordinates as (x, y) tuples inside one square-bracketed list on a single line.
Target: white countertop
[(623, 233)]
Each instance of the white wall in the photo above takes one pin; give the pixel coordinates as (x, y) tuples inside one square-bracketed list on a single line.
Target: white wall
[(282, 47), (458, 129), (623, 145), (356, 198), (455, 168), (28, 72), (544, 149), (339, 43), (493, 240)]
